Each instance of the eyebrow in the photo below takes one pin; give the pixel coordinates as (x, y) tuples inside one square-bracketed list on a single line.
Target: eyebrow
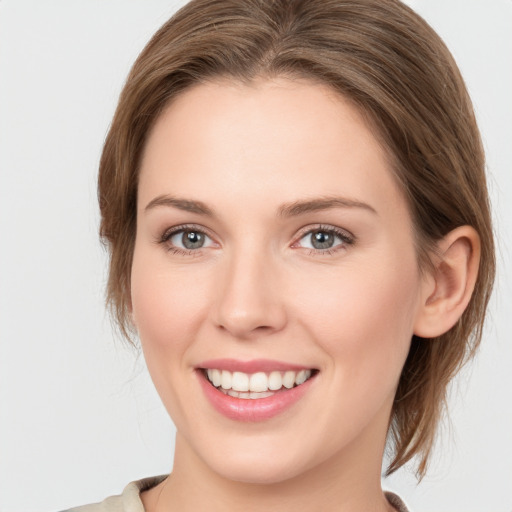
[(292, 209), (186, 205), (323, 203)]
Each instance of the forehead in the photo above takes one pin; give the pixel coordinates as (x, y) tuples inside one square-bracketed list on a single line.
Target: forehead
[(271, 140)]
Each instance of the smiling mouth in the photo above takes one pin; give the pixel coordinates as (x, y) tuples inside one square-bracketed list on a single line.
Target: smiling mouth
[(256, 385)]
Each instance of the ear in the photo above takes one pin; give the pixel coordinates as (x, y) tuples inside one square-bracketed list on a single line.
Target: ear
[(447, 290)]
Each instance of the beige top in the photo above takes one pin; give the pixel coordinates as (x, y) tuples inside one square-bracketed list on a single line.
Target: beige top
[(129, 500)]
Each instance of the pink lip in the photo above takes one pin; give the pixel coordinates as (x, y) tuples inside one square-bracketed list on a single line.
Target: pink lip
[(252, 410), (253, 366)]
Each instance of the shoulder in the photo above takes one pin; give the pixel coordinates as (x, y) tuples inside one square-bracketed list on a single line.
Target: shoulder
[(128, 501)]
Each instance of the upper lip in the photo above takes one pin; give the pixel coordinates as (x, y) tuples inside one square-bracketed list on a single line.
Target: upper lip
[(251, 366)]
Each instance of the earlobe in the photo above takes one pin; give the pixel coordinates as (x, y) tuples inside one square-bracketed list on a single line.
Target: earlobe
[(448, 289)]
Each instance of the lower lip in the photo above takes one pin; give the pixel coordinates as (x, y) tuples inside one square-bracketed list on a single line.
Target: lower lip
[(249, 409)]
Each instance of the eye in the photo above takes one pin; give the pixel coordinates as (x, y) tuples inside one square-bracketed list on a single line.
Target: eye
[(186, 239), (325, 239)]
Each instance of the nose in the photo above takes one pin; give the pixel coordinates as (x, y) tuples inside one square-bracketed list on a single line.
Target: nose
[(249, 301)]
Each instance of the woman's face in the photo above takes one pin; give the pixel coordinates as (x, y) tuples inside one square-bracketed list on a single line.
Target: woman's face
[(273, 244)]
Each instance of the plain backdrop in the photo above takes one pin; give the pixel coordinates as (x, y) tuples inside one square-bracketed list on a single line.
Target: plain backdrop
[(79, 417)]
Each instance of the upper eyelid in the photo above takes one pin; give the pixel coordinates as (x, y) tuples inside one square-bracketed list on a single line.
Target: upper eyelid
[(305, 229), (184, 227), (168, 233), (325, 227)]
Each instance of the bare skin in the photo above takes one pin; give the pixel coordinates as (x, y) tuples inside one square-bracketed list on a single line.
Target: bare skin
[(258, 171)]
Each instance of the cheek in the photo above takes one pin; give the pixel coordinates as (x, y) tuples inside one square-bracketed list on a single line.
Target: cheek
[(168, 305), (168, 309), (363, 317)]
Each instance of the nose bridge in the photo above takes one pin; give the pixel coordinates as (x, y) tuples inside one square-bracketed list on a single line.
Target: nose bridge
[(249, 300)]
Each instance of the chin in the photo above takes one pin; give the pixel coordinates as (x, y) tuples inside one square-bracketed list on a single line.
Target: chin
[(271, 464), (257, 472)]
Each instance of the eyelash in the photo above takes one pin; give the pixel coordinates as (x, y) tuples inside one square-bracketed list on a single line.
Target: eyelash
[(346, 238), (169, 233)]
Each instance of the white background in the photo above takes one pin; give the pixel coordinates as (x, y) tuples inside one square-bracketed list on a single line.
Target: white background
[(79, 417)]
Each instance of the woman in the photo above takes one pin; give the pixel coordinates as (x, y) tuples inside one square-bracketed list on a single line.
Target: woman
[(294, 200)]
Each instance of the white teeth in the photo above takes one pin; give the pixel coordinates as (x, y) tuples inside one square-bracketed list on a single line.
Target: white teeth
[(301, 377), (256, 385), (275, 381), (216, 378), (240, 381), (263, 394), (258, 382), (289, 380), (246, 395), (226, 379)]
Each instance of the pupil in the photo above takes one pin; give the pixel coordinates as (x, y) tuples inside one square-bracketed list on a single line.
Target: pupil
[(322, 240), (192, 239)]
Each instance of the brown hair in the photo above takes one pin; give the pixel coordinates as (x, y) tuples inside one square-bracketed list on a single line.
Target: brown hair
[(388, 60)]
